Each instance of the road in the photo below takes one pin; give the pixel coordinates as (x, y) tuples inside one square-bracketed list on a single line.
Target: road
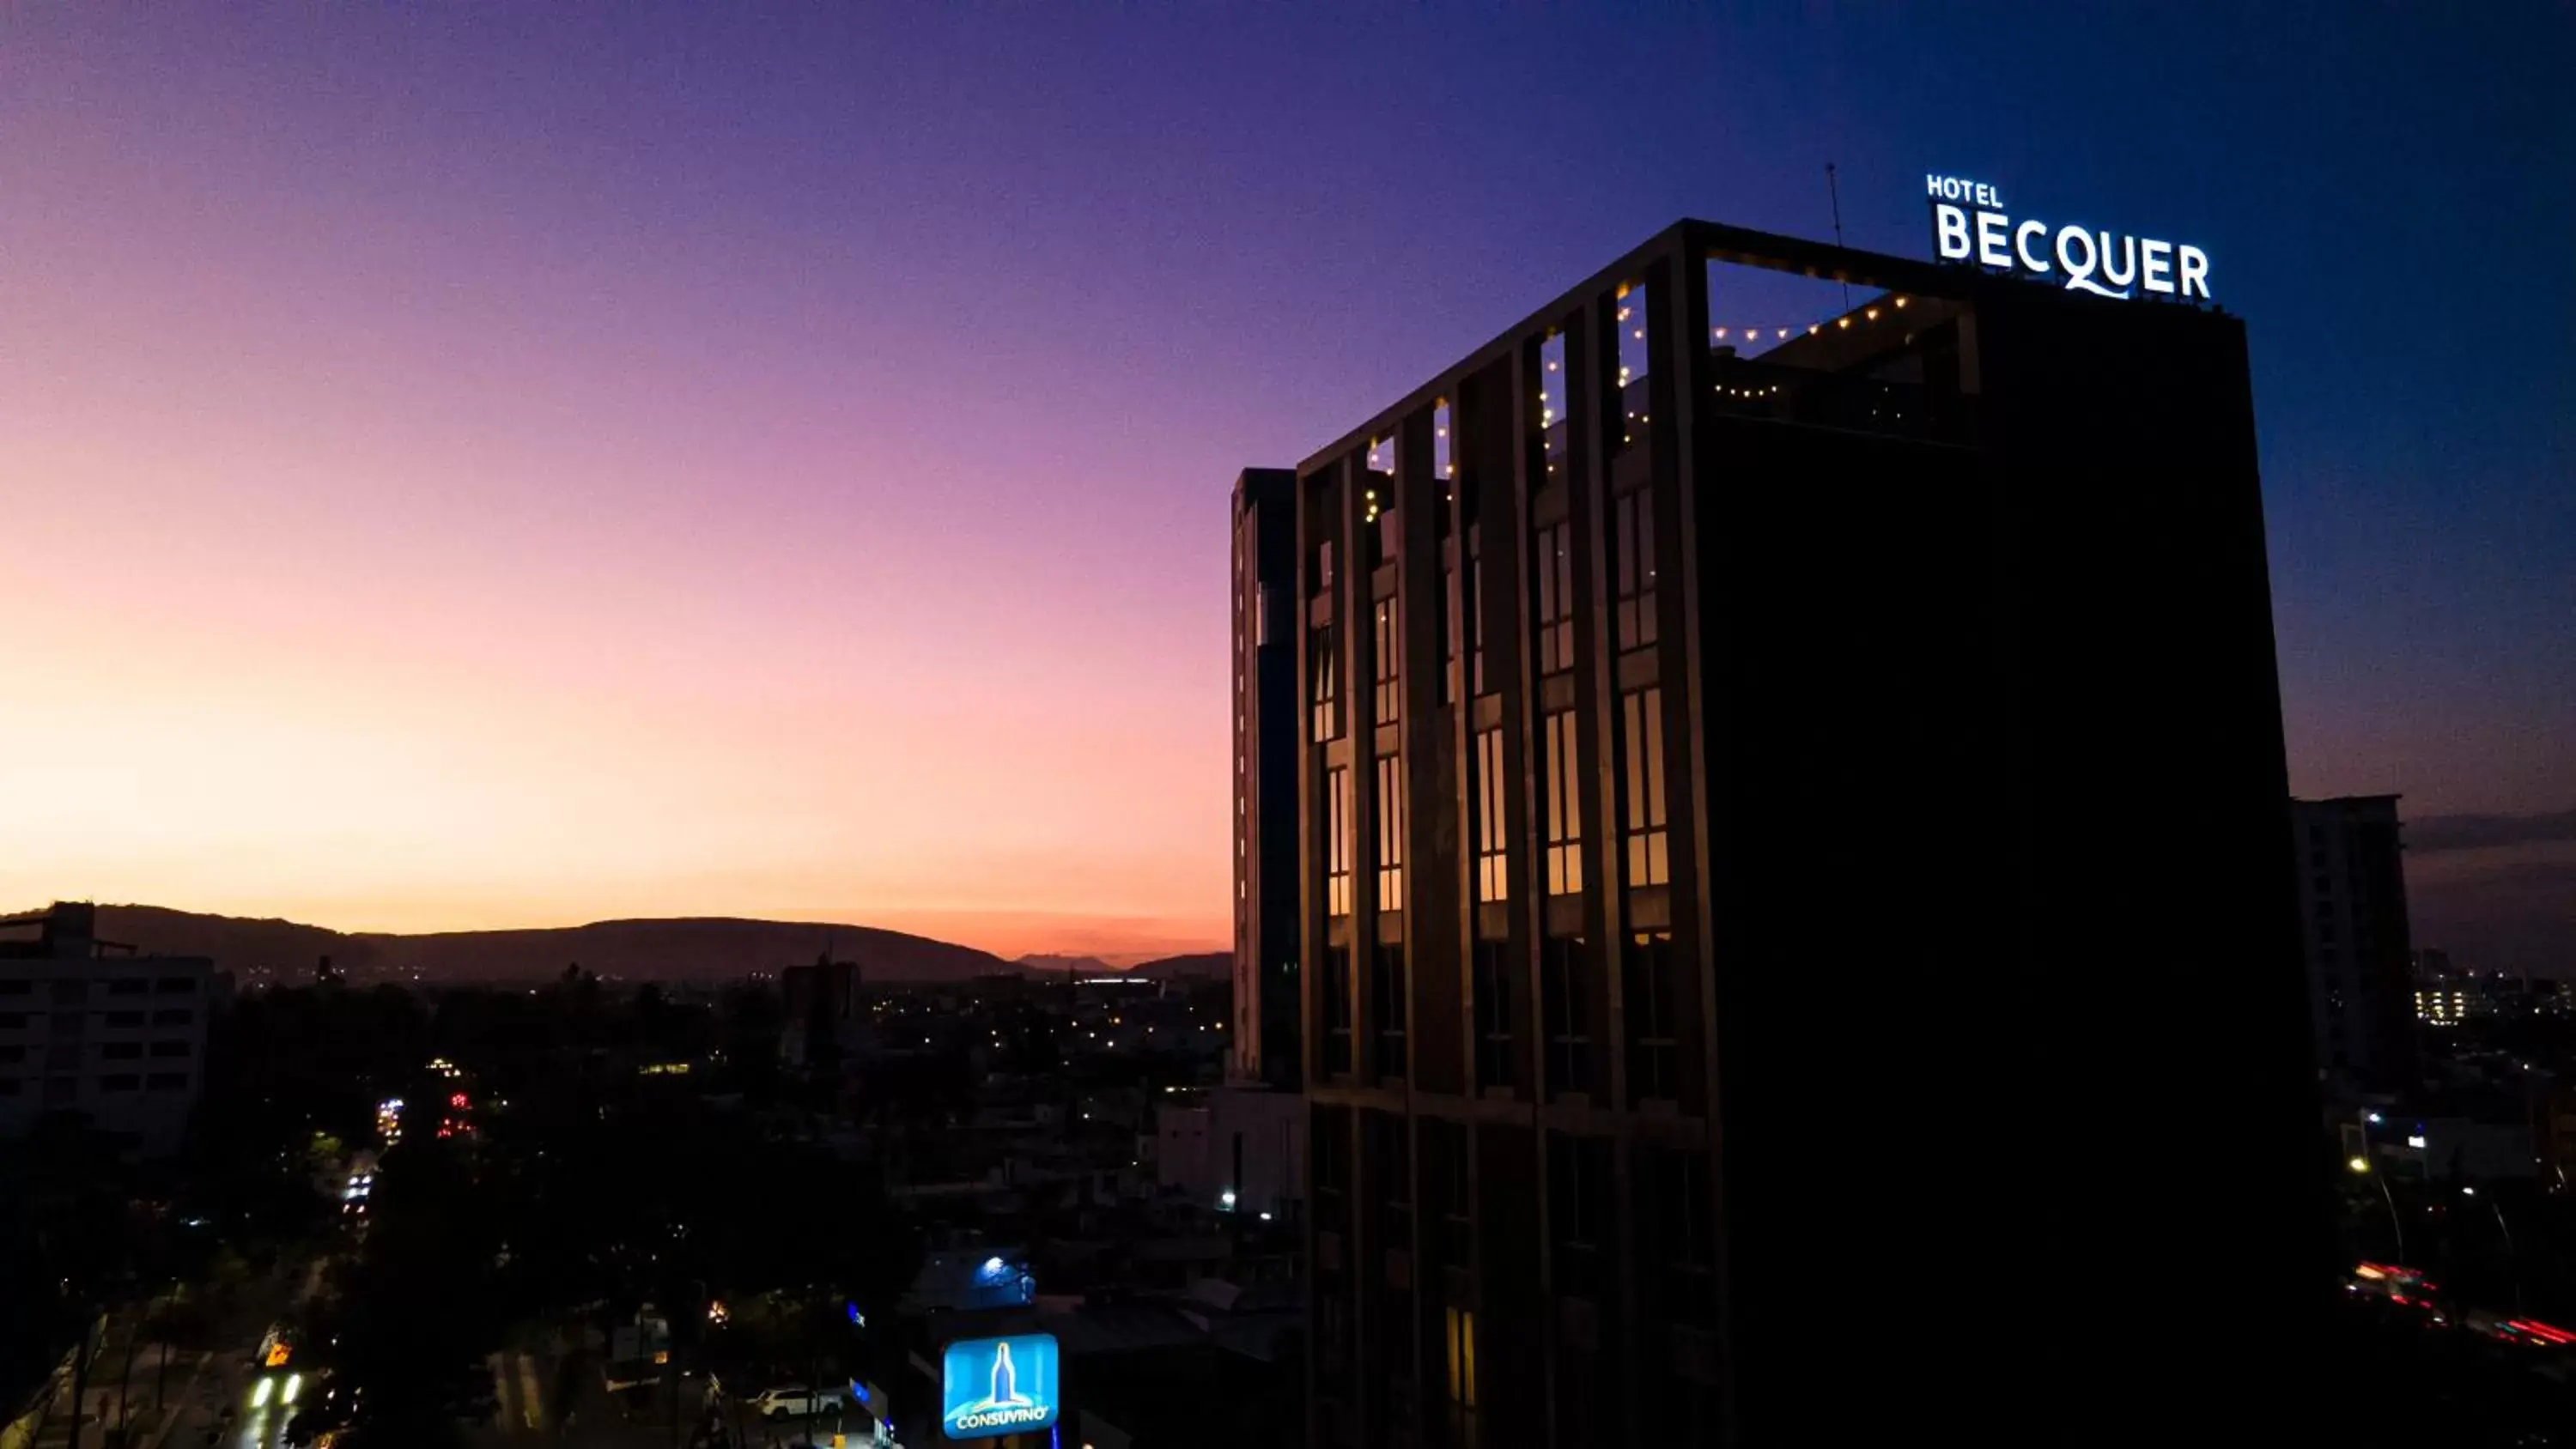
[(527, 1408), (156, 1394)]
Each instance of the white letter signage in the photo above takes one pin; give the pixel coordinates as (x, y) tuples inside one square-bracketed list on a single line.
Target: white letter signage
[(1970, 224)]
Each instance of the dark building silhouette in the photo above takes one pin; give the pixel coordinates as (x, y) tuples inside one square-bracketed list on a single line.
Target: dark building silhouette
[(827, 1022), (2360, 954), (1769, 815), (1266, 938)]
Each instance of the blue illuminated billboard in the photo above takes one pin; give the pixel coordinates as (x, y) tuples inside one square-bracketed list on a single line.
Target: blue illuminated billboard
[(995, 1386)]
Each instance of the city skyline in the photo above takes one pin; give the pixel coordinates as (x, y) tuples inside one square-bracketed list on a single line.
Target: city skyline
[(509, 469)]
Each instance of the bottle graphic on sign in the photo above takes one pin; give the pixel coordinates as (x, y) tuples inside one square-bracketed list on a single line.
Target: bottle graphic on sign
[(1006, 1380), (999, 1367)]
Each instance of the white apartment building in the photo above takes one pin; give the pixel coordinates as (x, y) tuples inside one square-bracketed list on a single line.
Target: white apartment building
[(92, 1027)]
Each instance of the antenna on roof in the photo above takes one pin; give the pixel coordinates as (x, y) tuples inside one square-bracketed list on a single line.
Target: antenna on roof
[(1834, 195)]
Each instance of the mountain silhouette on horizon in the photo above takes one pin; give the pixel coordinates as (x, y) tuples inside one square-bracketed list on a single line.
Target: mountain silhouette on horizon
[(650, 949)]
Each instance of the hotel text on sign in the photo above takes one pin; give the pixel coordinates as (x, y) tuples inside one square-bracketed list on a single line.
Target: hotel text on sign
[(1970, 224)]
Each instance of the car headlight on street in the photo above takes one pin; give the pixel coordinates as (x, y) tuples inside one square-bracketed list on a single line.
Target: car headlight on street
[(260, 1391), (293, 1383)]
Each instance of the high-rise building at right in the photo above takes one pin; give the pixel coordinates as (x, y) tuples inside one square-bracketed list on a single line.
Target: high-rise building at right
[(1793, 912), (2352, 919)]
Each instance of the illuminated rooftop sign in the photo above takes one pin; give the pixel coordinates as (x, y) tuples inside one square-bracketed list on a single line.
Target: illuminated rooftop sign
[(995, 1386), (1970, 224)]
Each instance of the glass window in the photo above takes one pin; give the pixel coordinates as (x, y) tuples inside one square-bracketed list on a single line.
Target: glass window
[(1325, 688), (1472, 600), (1493, 989), (1493, 854), (1643, 810), (1458, 1328), (1551, 404), (1653, 1027), (1388, 805), (1377, 501), (1632, 525), (1553, 564), (1386, 660), (1447, 1182), (1564, 807), (1337, 847), (1565, 1004), (1578, 1211), (1676, 1188), (1450, 636), (1386, 1004), (1443, 456), (1338, 1008), (1632, 322)]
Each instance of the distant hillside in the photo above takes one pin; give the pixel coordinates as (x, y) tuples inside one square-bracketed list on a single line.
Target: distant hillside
[(653, 950), (1046, 964), (1204, 964), (1216, 964)]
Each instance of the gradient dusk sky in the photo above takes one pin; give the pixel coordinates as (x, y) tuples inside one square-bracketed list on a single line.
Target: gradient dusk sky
[(489, 465)]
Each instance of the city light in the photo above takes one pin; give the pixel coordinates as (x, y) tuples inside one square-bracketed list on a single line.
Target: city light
[(2359, 1164), (260, 1391)]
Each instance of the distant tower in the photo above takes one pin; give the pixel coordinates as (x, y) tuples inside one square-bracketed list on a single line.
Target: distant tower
[(2352, 920)]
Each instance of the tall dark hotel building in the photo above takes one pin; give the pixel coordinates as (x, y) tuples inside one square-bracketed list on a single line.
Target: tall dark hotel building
[(1761, 849)]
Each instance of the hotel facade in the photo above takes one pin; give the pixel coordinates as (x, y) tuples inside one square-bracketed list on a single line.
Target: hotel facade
[(1761, 794)]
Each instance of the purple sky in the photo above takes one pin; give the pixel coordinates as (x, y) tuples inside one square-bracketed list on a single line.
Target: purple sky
[(494, 465)]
